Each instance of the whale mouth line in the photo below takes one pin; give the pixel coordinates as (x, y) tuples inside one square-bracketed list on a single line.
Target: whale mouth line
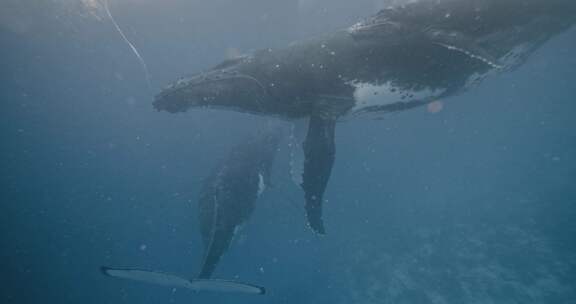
[(192, 83), (365, 26), (206, 89)]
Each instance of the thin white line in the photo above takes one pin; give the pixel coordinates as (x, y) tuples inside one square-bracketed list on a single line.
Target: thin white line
[(471, 55), (134, 50)]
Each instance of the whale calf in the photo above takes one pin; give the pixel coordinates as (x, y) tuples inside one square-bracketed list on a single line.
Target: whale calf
[(228, 196), (400, 58), (227, 200)]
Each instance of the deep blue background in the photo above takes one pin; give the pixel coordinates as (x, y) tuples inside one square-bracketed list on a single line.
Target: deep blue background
[(475, 204)]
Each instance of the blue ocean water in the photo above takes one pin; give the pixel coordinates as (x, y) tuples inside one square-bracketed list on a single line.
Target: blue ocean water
[(473, 204)]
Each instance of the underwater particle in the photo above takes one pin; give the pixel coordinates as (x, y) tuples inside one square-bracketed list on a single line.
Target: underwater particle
[(119, 76), (131, 100), (435, 107), (143, 247)]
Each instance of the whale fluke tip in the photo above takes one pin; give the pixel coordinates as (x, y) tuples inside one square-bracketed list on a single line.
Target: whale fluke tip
[(104, 270)]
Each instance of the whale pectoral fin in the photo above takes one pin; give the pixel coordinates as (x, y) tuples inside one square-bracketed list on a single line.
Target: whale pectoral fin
[(319, 152), (296, 139)]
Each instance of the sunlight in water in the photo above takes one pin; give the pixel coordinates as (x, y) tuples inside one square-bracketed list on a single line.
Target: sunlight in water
[(94, 8), (91, 4), (100, 10)]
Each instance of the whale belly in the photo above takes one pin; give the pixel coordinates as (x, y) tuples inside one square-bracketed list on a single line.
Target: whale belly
[(370, 97)]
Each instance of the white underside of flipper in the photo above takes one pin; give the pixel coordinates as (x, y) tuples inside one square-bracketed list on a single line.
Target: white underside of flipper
[(165, 279)]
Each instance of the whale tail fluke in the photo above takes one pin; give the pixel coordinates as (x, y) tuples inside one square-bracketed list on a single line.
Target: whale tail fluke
[(165, 279)]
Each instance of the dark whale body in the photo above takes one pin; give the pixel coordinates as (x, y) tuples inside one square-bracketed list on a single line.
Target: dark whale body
[(229, 194), (402, 57)]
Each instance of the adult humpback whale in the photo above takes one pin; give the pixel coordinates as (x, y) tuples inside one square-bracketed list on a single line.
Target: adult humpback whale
[(227, 199), (402, 57)]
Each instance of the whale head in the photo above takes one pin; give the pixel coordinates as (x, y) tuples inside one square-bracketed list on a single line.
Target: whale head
[(223, 86)]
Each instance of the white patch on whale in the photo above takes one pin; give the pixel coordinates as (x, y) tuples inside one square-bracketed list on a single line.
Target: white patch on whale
[(369, 95), (261, 184), (472, 55)]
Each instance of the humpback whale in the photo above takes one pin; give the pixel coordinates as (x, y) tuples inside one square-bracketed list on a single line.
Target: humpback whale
[(229, 194), (403, 57), (227, 199)]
